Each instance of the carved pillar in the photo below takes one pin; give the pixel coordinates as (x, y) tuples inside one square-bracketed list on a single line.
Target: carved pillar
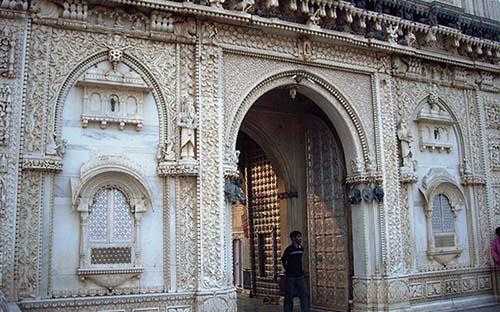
[(83, 209), (366, 238), (385, 286), (213, 246), (138, 247), (395, 220)]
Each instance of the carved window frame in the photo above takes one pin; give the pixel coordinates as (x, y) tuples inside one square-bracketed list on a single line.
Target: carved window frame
[(442, 184), (119, 173)]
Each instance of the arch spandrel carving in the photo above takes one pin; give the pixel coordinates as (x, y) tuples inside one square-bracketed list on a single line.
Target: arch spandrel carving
[(330, 100)]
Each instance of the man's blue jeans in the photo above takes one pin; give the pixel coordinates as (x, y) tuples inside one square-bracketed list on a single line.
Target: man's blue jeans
[(296, 287)]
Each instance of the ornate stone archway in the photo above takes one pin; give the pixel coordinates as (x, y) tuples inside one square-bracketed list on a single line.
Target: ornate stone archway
[(327, 97), (335, 109)]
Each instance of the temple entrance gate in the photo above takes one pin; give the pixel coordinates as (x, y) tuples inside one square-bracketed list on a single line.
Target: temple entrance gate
[(295, 181)]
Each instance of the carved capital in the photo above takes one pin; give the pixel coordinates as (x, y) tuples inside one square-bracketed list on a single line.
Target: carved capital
[(173, 168), (49, 163)]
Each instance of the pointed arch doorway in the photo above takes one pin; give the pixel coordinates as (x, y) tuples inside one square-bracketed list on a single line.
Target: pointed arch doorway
[(293, 170)]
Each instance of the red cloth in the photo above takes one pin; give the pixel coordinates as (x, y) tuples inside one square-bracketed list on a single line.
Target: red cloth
[(495, 251)]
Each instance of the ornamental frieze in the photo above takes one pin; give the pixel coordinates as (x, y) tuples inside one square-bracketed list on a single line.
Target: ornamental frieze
[(454, 283)]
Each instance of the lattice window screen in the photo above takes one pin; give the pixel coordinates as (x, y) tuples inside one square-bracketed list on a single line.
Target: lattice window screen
[(110, 218), (443, 222)]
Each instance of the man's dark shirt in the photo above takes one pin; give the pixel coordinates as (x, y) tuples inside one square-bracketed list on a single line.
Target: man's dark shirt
[(292, 261)]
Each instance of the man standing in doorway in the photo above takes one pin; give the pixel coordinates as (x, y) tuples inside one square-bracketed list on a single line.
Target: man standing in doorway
[(295, 281)]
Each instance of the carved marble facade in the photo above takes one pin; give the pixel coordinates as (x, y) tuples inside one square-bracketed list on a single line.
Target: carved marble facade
[(119, 126)]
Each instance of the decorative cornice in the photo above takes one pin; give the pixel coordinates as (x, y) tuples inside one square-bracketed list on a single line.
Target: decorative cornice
[(364, 178), (370, 21), (169, 168), (141, 296), (48, 164), (231, 171), (472, 180), (472, 49)]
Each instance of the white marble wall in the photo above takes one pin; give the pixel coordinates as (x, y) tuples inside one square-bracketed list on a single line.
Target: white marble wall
[(425, 161), (83, 145)]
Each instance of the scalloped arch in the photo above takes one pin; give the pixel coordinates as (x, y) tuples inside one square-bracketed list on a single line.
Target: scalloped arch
[(440, 181), (127, 59), (111, 169), (322, 89)]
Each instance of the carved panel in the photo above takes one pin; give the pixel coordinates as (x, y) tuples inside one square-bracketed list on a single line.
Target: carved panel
[(11, 91), (7, 53), (475, 147), (186, 233), (119, 19), (393, 244), (5, 110), (496, 199), (219, 303), (492, 107), (179, 309), (28, 234), (494, 149), (211, 180), (409, 249), (484, 233), (252, 40), (327, 218), (453, 283)]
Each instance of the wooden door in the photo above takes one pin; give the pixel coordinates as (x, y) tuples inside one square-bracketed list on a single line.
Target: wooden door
[(327, 219)]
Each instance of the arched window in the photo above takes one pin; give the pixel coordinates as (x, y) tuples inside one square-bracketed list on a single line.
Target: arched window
[(111, 197), (443, 222), (111, 227), (444, 203)]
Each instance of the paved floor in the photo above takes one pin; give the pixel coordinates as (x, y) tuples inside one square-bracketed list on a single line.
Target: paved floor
[(256, 305)]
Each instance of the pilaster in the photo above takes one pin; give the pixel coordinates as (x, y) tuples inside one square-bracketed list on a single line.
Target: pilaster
[(213, 242), (14, 35)]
